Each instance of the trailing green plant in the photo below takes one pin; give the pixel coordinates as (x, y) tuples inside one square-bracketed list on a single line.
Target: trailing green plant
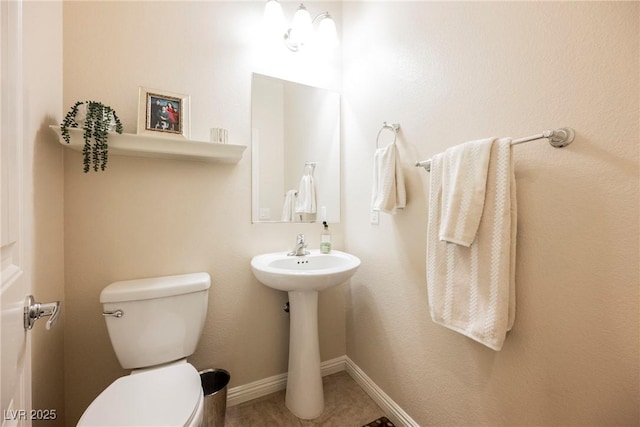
[(98, 122)]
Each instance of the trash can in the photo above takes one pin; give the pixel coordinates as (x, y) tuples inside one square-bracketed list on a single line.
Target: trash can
[(214, 387)]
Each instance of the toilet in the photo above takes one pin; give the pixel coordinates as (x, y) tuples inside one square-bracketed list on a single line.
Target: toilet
[(154, 324)]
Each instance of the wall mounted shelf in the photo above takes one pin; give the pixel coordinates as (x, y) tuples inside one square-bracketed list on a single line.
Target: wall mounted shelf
[(128, 144)]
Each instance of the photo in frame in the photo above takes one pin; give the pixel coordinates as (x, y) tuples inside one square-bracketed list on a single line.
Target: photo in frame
[(162, 113)]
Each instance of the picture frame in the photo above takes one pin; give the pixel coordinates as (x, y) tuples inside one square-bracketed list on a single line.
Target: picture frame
[(164, 114)]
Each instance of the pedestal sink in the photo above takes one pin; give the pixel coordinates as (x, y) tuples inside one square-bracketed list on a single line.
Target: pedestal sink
[(303, 277)]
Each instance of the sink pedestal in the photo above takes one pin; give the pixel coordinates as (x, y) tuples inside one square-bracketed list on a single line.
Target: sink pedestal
[(305, 397), (303, 277)]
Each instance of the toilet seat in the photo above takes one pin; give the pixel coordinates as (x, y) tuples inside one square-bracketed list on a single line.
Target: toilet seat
[(166, 396)]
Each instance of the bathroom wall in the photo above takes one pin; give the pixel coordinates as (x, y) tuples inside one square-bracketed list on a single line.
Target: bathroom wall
[(42, 65), (148, 217), (449, 72)]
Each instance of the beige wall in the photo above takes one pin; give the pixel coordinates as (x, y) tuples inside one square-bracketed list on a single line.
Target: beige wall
[(448, 72), (148, 217), (42, 29), (451, 72)]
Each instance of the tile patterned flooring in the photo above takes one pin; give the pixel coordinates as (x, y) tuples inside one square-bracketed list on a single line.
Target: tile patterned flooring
[(346, 405)]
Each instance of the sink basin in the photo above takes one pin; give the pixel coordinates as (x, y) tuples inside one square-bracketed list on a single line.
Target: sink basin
[(303, 277), (313, 272)]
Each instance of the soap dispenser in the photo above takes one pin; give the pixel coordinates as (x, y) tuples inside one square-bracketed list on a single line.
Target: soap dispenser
[(325, 239)]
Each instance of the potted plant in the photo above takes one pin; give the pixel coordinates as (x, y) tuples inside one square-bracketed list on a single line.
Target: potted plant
[(97, 120)]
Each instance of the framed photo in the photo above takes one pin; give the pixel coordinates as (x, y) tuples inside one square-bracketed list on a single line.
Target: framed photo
[(163, 113)]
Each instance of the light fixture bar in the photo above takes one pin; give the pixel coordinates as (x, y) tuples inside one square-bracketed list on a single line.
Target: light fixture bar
[(302, 31)]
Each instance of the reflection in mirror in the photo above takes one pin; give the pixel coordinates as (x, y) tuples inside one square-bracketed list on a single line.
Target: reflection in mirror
[(295, 143)]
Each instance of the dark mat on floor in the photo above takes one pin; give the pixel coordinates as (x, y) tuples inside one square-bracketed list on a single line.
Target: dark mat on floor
[(380, 422)]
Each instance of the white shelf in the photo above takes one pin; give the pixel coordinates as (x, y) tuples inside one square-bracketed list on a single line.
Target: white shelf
[(128, 144)]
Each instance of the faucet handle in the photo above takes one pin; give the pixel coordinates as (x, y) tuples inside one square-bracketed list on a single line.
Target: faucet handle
[(299, 250)]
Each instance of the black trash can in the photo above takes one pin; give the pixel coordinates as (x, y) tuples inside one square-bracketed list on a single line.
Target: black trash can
[(214, 387)]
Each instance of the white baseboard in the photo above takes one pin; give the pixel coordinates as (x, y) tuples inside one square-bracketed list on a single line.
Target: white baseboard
[(244, 393), (393, 411), (264, 387)]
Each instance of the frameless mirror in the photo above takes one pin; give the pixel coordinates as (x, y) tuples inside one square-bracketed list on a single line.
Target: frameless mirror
[(295, 143)]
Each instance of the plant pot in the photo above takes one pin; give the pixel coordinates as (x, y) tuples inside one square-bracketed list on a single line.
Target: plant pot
[(81, 117), (97, 120)]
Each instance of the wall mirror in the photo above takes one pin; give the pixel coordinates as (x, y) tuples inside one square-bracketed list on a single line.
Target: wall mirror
[(295, 143)]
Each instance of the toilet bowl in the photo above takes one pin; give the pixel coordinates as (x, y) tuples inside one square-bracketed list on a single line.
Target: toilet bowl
[(153, 324)]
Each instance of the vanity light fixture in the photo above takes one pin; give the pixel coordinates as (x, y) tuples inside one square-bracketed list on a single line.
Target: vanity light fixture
[(301, 32)]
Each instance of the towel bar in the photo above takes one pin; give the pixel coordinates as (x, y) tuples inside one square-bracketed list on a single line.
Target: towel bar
[(558, 138)]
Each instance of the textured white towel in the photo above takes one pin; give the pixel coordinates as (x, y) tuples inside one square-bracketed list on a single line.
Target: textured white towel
[(306, 201), (288, 209), (464, 180), (472, 289), (388, 192)]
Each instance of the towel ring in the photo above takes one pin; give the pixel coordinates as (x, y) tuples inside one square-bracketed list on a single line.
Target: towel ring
[(392, 127), (309, 168)]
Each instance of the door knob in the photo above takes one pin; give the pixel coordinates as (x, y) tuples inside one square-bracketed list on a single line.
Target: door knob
[(35, 310)]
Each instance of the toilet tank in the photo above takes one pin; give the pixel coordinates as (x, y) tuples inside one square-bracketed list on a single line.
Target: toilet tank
[(162, 317)]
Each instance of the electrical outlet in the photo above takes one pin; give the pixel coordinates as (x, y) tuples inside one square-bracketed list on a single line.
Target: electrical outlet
[(265, 213), (375, 217)]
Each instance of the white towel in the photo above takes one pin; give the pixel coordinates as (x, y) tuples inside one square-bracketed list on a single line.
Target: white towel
[(464, 180), (306, 201), (388, 192), (288, 209), (472, 289)]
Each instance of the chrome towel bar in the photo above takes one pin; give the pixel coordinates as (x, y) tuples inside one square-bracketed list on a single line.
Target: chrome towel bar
[(558, 138)]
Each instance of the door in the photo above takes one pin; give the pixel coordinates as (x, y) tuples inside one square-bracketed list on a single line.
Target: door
[(15, 349)]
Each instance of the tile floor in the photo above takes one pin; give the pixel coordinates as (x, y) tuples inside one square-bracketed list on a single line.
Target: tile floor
[(346, 405)]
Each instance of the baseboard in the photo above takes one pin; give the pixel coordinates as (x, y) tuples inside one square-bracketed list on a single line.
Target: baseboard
[(394, 412), (244, 393), (264, 387)]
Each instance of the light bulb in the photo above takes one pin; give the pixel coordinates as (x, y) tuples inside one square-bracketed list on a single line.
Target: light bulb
[(301, 27), (273, 19), (327, 34)]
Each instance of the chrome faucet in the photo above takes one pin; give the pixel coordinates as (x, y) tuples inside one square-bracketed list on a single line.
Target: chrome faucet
[(300, 249)]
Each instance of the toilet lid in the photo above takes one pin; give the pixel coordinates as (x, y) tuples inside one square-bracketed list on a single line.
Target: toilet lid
[(165, 396)]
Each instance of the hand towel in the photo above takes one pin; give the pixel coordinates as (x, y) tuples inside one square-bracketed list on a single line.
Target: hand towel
[(471, 290), (306, 201), (288, 209), (464, 181), (388, 192)]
